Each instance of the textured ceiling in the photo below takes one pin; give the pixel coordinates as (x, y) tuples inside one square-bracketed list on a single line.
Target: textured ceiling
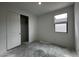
[(36, 9)]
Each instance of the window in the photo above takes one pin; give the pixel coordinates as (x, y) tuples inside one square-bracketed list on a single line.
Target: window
[(60, 22)]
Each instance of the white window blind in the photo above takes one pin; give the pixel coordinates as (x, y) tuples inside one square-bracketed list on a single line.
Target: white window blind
[(60, 22)]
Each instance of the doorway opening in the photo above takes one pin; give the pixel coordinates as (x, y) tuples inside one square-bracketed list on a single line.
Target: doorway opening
[(24, 29)]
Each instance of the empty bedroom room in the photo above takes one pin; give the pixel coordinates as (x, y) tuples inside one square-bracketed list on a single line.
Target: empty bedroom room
[(39, 29)]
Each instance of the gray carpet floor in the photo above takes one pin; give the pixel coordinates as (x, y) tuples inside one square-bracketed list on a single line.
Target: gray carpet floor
[(39, 49)]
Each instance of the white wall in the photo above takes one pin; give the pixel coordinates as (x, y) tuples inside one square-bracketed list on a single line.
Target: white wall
[(32, 25), (46, 28), (76, 10), (2, 32)]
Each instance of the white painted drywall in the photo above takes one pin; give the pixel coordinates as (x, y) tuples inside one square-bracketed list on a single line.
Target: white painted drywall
[(46, 30), (2, 32), (76, 11)]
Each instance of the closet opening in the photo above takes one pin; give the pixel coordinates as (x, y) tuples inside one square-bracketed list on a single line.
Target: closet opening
[(24, 29)]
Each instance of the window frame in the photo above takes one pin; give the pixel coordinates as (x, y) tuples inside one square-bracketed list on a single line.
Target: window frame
[(65, 22)]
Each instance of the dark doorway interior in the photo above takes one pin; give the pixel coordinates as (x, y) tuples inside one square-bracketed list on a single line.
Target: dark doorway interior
[(24, 28)]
